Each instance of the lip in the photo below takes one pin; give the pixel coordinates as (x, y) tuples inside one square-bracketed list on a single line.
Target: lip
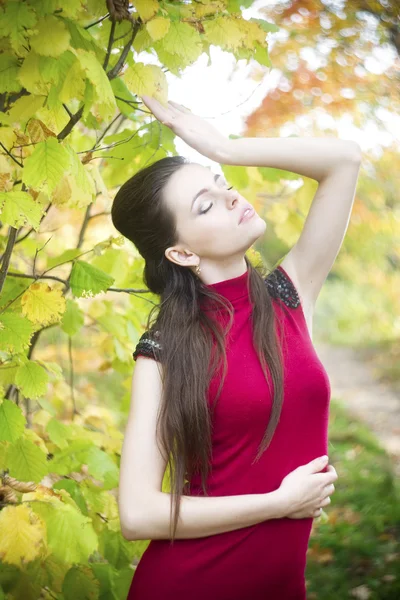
[(249, 214)]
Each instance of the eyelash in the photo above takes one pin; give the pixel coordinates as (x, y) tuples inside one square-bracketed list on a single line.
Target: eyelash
[(203, 212)]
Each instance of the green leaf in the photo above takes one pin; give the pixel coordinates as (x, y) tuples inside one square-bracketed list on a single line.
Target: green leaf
[(16, 331), (19, 208), (81, 583), (102, 467), (70, 458), (120, 89), (73, 318), (265, 25), (101, 84), (82, 38), (17, 19), (30, 75), (235, 5), (9, 67), (7, 374), (182, 40), (86, 280), (70, 535), (31, 379), (107, 576), (83, 180), (51, 38), (26, 461), (25, 108), (74, 490), (116, 549), (46, 165), (58, 433), (12, 421)]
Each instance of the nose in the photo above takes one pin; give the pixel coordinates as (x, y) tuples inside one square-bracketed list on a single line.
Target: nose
[(232, 199)]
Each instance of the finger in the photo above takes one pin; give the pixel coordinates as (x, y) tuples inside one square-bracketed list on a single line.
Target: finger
[(158, 110), (329, 489), (331, 473), (326, 501), (179, 107)]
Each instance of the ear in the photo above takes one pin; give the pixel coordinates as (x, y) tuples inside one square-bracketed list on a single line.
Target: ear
[(182, 256)]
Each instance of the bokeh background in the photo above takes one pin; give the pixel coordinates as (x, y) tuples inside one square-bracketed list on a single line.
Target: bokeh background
[(72, 300)]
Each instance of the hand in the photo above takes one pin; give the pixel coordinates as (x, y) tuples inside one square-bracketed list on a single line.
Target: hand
[(305, 491), (196, 132)]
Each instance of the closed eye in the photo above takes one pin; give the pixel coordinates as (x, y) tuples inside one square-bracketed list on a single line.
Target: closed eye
[(203, 212)]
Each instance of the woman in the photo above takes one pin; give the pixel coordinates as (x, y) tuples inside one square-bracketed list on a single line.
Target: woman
[(228, 392)]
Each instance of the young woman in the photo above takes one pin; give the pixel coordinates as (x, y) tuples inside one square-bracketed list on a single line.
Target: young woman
[(228, 392)]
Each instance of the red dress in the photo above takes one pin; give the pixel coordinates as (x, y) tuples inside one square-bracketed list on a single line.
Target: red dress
[(265, 561)]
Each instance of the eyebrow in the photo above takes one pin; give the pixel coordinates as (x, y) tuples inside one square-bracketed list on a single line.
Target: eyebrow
[(203, 190)]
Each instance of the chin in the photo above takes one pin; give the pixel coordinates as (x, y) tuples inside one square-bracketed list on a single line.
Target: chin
[(258, 225)]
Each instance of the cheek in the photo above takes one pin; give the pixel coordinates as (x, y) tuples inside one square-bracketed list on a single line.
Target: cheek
[(210, 232), (215, 232)]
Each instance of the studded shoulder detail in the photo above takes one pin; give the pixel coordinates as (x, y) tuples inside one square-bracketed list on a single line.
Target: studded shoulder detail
[(280, 286), (148, 345)]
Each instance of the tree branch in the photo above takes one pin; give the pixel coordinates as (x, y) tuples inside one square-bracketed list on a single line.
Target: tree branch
[(111, 75), (110, 45), (5, 263), (11, 156), (96, 22)]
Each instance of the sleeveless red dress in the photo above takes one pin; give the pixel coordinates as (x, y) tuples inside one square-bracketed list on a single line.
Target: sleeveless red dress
[(265, 561)]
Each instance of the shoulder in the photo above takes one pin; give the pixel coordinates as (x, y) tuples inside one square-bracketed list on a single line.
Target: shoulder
[(149, 345), (280, 286)]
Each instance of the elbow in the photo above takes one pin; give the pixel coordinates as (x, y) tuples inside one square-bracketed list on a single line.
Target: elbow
[(133, 529), (128, 529), (355, 152)]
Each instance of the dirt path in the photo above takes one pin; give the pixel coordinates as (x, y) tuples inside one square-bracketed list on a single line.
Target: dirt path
[(375, 403)]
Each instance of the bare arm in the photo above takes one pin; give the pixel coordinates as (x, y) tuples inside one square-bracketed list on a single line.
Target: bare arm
[(202, 516), (144, 508)]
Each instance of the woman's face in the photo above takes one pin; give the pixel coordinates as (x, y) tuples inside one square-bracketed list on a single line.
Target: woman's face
[(207, 216)]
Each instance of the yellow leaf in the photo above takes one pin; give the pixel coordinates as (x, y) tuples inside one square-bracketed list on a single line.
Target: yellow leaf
[(209, 8), (6, 182), (184, 41), (30, 77), (252, 33), (225, 32), (42, 304), (147, 79), (74, 84), (158, 27), (254, 257), (7, 136), (62, 192), (24, 108), (81, 195), (23, 535), (52, 37), (146, 8), (38, 131)]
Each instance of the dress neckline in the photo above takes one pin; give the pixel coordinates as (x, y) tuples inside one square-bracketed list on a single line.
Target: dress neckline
[(233, 288)]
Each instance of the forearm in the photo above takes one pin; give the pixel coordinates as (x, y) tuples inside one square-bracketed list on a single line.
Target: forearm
[(204, 516), (309, 156)]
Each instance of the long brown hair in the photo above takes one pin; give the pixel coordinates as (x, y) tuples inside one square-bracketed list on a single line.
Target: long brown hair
[(187, 332)]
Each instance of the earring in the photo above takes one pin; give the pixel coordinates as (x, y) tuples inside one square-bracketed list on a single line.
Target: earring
[(198, 269)]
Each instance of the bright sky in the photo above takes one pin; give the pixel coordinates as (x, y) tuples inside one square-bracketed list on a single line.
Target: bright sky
[(225, 94)]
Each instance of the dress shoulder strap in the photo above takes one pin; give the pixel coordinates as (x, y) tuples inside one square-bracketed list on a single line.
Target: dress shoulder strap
[(148, 345), (280, 286)]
